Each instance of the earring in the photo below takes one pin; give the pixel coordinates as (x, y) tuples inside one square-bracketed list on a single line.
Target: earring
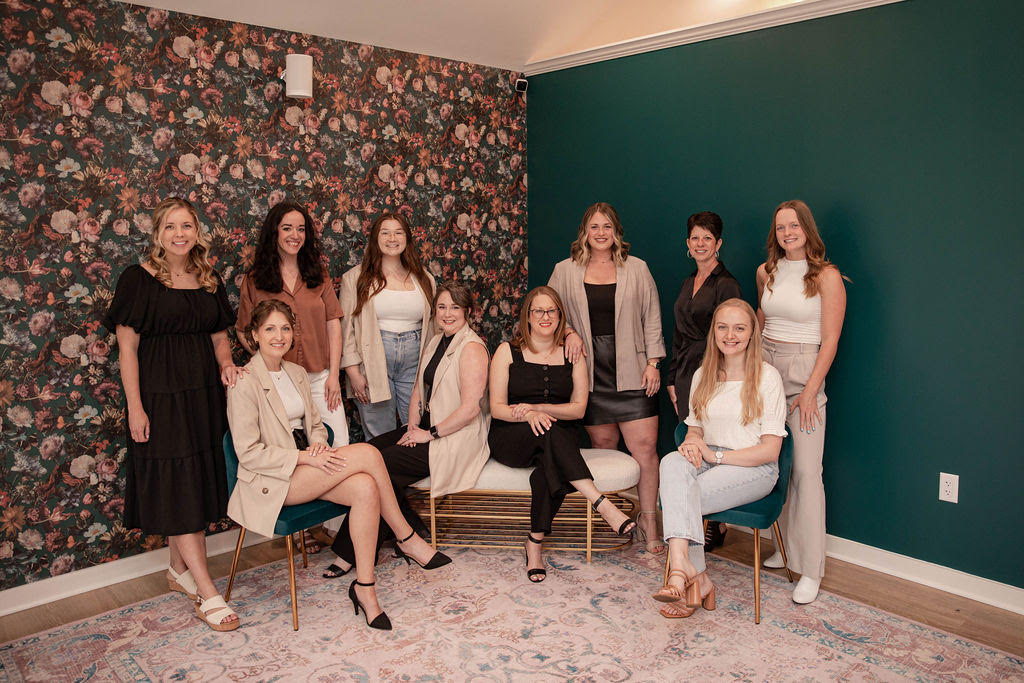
[(716, 254), (688, 254)]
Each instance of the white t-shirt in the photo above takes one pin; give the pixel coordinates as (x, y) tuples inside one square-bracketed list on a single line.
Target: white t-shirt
[(294, 408), (723, 415)]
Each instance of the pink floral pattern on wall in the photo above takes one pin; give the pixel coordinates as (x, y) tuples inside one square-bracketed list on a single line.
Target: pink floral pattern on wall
[(108, 107)]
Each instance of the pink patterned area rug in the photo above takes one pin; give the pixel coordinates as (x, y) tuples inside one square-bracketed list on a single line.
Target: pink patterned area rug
[(479, 619)]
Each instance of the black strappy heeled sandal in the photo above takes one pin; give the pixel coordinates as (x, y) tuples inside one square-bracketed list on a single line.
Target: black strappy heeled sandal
[(380, 621), (439, 559), (532, 574), (624, 528), (334, 571)]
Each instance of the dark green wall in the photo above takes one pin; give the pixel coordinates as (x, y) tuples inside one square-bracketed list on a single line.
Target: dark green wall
[(901, 126)]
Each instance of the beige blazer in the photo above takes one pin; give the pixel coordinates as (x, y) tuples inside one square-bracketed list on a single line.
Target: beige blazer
[(456, 459), (263, 441), (362, 344), (638, 333)]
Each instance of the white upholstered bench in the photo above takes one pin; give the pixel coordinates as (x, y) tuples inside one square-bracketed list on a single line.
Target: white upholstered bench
[(496, 512)]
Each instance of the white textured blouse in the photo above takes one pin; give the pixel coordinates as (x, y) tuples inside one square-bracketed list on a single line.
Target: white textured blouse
[(723, 415), (399, 310)]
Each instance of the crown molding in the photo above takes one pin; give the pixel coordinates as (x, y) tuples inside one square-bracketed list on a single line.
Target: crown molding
[(789, 14)]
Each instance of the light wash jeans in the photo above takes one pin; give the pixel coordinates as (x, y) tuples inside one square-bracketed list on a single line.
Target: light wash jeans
[(687, 493), (402, 353)]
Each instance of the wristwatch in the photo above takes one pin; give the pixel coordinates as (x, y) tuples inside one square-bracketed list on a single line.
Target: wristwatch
[(433, 432), (653, 363), (718, 457)]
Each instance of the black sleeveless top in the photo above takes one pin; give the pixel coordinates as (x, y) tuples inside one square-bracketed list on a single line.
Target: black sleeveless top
[(536, 382), (601, 306)]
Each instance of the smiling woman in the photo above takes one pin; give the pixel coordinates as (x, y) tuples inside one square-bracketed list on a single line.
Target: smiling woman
[(170, 315)]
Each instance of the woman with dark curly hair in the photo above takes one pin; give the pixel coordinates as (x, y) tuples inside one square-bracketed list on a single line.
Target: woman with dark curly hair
[(289, 267)]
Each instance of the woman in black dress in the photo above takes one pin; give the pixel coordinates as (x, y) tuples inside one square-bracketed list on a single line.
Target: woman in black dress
[(536, 397), (170, 315), (702, 291)]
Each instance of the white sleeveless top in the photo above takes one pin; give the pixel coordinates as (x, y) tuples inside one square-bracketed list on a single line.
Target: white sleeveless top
[(789, 316), (290, 397), (399, 311)]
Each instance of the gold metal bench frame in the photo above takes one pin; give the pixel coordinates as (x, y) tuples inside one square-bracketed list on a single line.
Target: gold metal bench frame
[(485, 518)]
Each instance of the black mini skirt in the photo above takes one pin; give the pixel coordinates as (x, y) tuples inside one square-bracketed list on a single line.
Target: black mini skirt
[(606, 405)]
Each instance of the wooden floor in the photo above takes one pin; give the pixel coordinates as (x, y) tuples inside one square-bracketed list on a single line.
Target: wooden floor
[(979, 622)]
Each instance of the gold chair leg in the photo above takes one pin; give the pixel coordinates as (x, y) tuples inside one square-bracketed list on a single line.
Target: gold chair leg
[(433, 521), (757, 575), (302, 543), (234, 562), (782, 548), (590, 530), (291, 581)]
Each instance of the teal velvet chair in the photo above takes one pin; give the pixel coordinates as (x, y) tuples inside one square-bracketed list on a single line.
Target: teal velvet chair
[(758, 515), (292, 519)]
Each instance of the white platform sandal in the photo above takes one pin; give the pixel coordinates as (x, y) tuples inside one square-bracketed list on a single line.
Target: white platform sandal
[(182, 583), (213, 611)]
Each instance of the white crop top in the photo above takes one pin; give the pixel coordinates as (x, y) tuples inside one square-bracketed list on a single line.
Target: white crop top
[(789, 316), (290, 397), (399, 311)]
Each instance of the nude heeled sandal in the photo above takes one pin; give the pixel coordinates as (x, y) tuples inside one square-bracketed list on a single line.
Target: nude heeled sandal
[(183, 583), (213, 610), (670, 593)]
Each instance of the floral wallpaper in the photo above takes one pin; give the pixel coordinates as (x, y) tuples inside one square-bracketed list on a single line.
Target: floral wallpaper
[(105, 108)]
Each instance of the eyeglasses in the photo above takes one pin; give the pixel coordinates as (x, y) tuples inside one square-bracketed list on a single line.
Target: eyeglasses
[(544, 312)]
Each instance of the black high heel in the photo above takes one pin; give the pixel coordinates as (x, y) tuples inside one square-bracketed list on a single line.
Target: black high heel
[(532, 573), (439, 559), (626, 526), (380, 621)]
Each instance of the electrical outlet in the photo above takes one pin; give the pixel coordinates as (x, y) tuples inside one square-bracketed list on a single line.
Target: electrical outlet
[(949, 487)]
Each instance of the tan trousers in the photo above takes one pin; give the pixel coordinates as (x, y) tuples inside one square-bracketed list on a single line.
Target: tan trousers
[(803, 517)]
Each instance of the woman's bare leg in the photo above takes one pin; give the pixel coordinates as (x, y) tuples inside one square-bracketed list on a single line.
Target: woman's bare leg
[(641, 437), (191, 550)]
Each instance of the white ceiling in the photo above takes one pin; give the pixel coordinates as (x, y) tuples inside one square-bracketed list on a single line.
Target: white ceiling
[(523, 35)]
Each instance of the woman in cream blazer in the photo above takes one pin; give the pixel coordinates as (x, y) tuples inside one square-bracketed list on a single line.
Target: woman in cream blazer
[(611, 302), (446, 438), (284, 459), (387, 304)]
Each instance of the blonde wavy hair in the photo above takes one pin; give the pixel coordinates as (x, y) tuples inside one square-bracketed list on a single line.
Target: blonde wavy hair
[(713, 373), (198, 261), (815, 249), (580, 249)]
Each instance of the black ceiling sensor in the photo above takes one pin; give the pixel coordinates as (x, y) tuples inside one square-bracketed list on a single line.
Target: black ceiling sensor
[(521, 84)]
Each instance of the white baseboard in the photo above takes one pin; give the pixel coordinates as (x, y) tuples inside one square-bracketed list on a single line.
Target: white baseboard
[(102, 575), (1001, 595)]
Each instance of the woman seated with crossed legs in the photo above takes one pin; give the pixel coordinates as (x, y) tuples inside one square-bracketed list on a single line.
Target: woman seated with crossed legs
[(737, 420), (279, 466), (537, 396)]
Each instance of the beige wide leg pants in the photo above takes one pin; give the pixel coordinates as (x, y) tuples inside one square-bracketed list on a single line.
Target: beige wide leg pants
[(803, 517)]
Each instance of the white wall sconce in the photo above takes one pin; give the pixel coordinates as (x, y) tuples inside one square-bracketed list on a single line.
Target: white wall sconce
[(298, 75)]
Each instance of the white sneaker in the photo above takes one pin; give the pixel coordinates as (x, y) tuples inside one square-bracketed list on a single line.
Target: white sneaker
[(775, 561), (806, 590)]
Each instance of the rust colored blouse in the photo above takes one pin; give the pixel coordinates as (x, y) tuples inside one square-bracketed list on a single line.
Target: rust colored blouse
[(312, 309)]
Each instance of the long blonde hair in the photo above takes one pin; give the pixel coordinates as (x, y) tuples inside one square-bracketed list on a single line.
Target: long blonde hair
[(580, 249), (197, 257), (712, 372), (815, 248)]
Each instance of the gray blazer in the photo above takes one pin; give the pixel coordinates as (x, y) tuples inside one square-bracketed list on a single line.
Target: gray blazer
[(638, 334)]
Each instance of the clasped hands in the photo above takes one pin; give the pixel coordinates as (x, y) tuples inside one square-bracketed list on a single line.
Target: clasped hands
[(539, 421), (414, 435), (696, 451), (323, 457)]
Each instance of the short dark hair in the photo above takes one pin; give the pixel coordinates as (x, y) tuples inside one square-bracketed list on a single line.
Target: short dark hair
[(709, 220), (460, 293)]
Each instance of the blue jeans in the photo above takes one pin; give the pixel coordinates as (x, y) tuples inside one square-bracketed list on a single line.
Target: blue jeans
[(687, 493), (402, 353)]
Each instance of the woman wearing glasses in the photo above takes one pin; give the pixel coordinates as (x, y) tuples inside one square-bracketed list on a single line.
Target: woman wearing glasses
[(536, 396)]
